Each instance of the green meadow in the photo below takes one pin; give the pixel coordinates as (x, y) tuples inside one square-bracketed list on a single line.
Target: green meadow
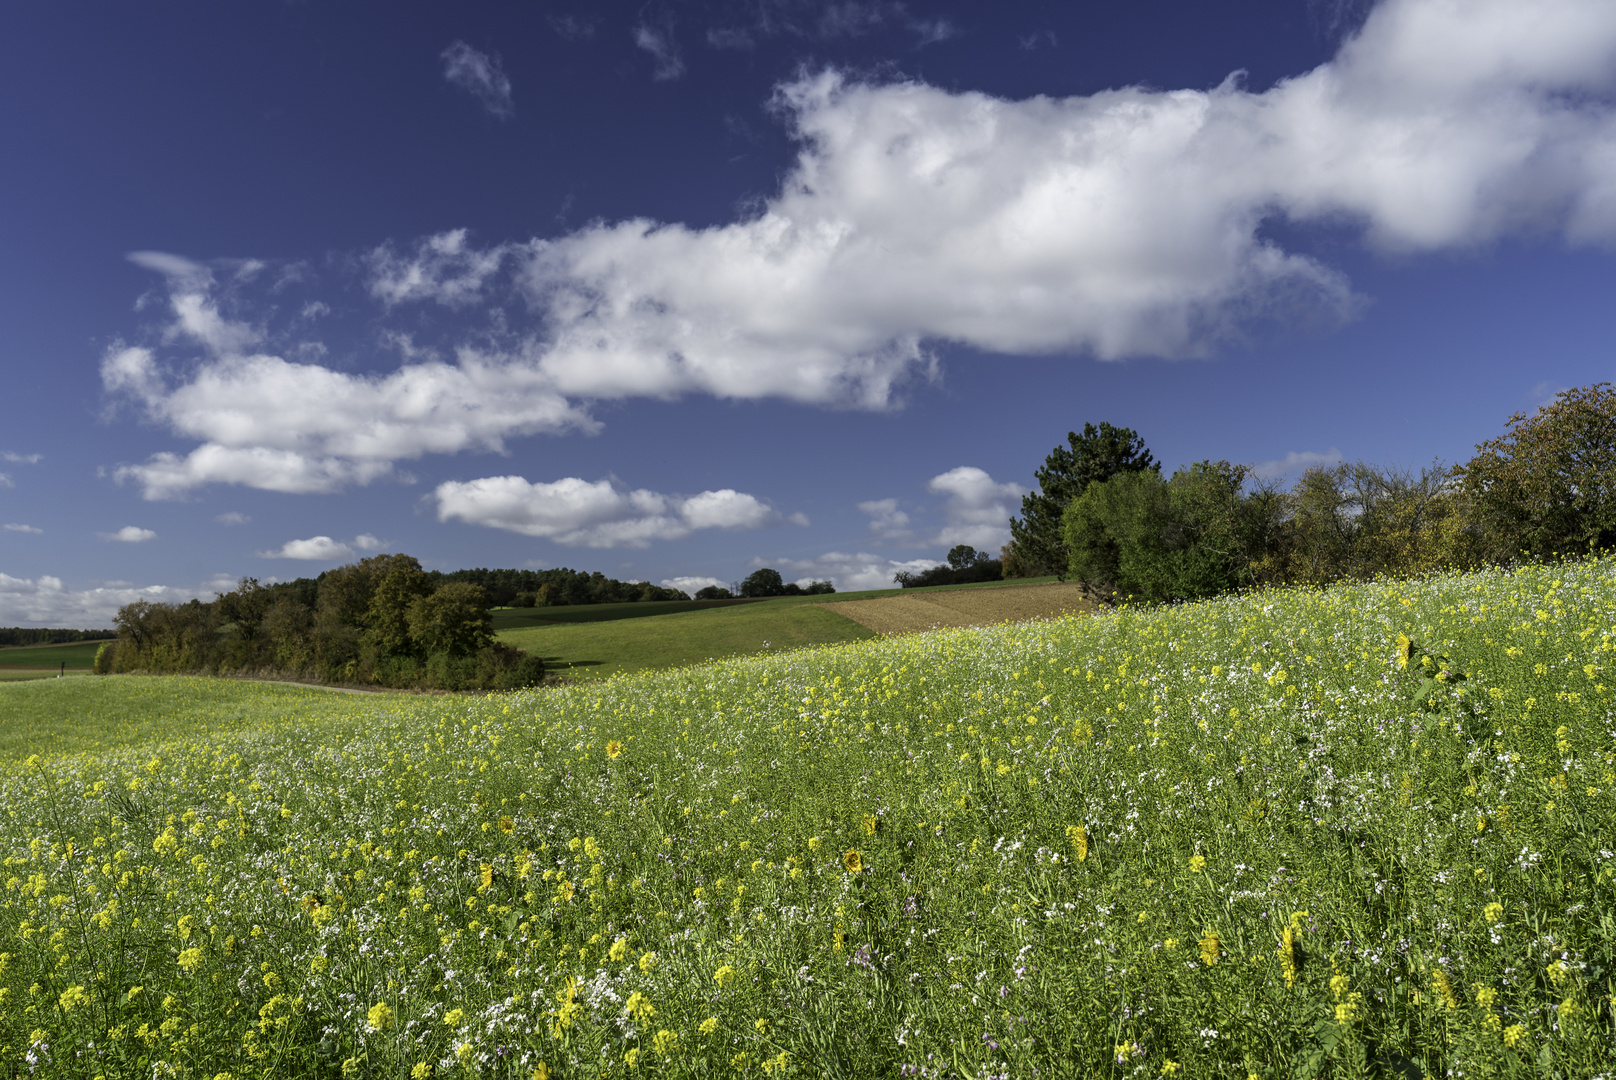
[(1352, 832)]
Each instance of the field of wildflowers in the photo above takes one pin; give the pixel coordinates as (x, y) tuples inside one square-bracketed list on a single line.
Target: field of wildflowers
[(1363, 831)]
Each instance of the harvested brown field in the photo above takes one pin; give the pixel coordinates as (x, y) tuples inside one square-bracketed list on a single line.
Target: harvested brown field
[(965, 607)]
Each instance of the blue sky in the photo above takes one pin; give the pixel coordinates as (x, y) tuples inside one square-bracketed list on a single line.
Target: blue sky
[(677, 290)]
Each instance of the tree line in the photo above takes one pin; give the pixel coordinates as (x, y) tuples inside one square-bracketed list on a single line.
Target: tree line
[(382, 621), (965, 566), (556, 587), (1104, 514), (28, 635), (764, 582)]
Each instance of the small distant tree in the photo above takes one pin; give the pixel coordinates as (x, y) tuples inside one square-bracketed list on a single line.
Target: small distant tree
[(713, 592), (1548, 484), (1096, 455), (964, 556), (764, 582), (818, 588)]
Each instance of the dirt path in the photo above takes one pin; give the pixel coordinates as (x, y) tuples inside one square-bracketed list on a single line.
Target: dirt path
[(927, 610)]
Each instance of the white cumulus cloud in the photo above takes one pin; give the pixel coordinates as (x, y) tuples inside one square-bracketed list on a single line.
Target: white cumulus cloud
[(692, 585), (851, 571), (978, 509), (597, 515), (281, 426), (367, 542), (1121, 223), (130, 534), (47, 601), (481, 76), (314, 549), (1125, 223)]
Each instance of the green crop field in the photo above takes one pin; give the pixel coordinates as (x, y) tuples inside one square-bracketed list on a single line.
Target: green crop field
[(1364, 831), (594, 649), (36, 661), (513, 618), (596, 640)]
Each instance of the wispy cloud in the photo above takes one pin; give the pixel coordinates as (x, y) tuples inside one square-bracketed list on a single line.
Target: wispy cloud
[(444, 269), (658, 40), (887, 522), (193, 302), (21, 459), (480, 75), (572, 27), (729, 37), (232, 517), (22, 529), (933, 31), (1296, 461), (1545, 392), (596, 515)]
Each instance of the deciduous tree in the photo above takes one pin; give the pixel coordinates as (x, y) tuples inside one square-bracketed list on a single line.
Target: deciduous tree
[(454, 620), (764, 582), (1548, 484)]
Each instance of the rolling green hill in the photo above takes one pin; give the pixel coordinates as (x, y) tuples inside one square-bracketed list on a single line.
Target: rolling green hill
[(1362, 830), (598, 640)]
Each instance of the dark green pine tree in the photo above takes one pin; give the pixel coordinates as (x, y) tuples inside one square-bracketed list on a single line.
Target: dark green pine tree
[(1098, 454)]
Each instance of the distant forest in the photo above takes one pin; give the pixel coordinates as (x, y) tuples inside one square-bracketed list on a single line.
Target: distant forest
[(520, 588), (25, 635), (548, 588)]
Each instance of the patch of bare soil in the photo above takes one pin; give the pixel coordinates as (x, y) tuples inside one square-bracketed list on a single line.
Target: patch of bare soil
[(927, 610)]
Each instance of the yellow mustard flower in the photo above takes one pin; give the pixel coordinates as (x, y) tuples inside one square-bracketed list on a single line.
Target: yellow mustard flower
[(380, 1017)]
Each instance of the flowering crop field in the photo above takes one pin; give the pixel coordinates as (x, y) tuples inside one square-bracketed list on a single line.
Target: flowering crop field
[(1363, 831)]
